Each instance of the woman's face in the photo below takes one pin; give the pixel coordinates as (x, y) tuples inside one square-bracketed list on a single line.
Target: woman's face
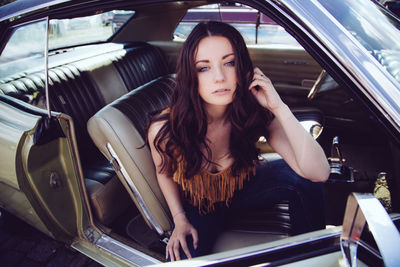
[(216, 72)]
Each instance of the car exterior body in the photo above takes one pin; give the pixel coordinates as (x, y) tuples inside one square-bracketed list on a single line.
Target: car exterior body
[(392, 5), (340, 59)]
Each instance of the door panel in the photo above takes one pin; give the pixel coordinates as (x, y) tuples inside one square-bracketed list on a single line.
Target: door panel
[(289, 66), (293, 71), (43, 174)]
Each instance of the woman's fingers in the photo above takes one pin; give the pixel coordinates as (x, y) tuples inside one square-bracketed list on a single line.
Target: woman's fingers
[(258, 74), (175, 248), (185, 248), (195, 238), (170, 252), (260, 83), (264, 91), (174, 245), (178, 241), (261, 80)]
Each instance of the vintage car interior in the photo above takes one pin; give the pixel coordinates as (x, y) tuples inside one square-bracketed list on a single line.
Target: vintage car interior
[(110, 88)]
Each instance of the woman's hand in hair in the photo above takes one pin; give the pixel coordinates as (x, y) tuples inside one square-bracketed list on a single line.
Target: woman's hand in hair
[(264, 91), (178, 238)]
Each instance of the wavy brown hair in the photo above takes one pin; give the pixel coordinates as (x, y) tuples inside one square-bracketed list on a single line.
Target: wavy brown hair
[(183, 135)]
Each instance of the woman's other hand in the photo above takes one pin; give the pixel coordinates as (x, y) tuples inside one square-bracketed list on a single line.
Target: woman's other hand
[(178, 238), (264, 91)]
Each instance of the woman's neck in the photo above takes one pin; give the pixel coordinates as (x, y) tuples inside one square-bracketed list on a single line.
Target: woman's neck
[(216, 113)]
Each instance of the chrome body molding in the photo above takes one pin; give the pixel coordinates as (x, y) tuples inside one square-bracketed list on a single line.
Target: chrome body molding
[(259, 250), (134, 191), (373, 79), (365, 208), (133, 256)]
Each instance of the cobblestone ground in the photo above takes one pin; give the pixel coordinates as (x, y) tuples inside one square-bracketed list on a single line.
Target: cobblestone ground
[(22, 245)]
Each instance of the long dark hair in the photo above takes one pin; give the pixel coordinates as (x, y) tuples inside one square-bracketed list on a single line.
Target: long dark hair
[(183, 135)]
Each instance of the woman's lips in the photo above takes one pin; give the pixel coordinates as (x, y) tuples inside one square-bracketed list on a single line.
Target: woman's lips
[(221, 91)]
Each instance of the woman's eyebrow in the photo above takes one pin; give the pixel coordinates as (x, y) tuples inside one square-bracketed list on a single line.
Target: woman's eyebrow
[(202, 61), (227, 55), (207, 61)]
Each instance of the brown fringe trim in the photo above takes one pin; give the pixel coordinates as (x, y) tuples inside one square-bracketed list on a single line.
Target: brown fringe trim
[(205, 189)]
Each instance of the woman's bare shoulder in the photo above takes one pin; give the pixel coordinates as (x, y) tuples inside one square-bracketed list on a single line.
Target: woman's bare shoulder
[(154, 128)]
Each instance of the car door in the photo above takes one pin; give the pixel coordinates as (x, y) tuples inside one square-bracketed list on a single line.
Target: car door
[(39, 164)]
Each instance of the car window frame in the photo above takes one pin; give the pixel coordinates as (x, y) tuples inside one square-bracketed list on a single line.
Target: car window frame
[(262, 20)]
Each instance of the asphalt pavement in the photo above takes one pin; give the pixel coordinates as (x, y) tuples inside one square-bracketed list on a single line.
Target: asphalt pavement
[(23, 245)]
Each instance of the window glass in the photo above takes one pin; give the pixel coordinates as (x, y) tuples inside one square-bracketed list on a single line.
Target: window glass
[(89, 29), (25, 50), (255, 27), (374, 28)]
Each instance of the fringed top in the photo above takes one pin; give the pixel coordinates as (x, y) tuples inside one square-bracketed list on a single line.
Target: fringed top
[(205, 189)]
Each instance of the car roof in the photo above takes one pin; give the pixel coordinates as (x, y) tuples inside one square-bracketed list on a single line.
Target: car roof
[(24, 6)]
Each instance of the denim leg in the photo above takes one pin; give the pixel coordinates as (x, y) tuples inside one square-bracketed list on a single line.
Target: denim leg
[(208, 228), (275, 181)]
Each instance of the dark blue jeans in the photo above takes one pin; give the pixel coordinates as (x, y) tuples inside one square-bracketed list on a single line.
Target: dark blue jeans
[(274, 182)]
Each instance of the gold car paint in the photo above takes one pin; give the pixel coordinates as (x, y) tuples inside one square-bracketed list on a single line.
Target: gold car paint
[(40, 183), (87, 230), (53, 178), (15, 124)]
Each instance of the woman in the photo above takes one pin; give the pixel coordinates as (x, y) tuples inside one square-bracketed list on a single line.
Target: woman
[(204, 150)]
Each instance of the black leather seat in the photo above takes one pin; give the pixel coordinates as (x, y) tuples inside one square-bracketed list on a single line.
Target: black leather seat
[(141, 64), (77, 89)]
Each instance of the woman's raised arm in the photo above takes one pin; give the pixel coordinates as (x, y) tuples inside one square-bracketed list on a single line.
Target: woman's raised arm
[(287, 137)]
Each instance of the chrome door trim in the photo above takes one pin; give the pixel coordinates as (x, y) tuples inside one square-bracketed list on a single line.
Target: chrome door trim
[(271, 247), (131, 255)]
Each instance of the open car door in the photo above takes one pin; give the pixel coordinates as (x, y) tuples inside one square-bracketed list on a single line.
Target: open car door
[(39, 173), (39, 163)]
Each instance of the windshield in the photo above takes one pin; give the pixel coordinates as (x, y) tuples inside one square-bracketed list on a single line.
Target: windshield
[(373, 27)]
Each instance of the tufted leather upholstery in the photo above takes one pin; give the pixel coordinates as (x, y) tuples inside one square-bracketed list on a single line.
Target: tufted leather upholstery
[(140, 65), (74, 90), (82, 87)]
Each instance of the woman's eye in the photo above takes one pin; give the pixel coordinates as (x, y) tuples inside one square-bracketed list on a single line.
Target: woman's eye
[(230, 63), (202, 69)]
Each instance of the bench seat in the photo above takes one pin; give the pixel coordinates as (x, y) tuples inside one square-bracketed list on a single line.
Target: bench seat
[(81, 82)]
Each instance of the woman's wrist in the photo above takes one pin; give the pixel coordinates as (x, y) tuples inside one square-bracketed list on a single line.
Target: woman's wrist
[(281, 112), (179, 216)]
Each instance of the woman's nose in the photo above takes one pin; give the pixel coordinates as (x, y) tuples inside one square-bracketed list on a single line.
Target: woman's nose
[(219, 74)]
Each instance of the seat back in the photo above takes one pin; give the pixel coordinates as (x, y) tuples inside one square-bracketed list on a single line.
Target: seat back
[(81, 81), (119, 131)]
